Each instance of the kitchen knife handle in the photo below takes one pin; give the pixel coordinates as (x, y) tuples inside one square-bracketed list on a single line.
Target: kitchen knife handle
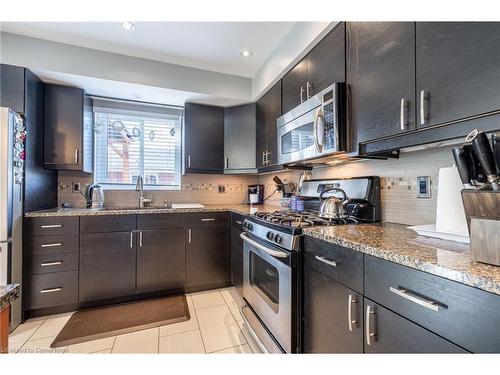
[(462, 164), (484, 153)]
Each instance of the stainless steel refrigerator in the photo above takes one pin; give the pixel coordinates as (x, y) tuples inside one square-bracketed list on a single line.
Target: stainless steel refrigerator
[(12, 155)]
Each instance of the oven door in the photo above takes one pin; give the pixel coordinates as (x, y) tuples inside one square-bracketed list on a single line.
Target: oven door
[(267, 287)]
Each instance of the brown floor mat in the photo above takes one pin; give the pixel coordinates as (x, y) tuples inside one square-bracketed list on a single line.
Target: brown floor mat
[(98, 323)]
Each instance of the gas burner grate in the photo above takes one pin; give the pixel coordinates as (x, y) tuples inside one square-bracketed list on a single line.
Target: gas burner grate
[(301, 219)]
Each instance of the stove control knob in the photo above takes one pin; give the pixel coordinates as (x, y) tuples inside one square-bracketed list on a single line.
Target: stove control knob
[(278, 239), (249, 226), (245, 225), (270, 235)]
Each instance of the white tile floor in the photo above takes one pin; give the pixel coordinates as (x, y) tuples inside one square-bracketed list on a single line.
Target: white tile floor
[(216, 326)]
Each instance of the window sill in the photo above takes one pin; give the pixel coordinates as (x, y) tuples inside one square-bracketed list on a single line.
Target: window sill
[(113, 187)]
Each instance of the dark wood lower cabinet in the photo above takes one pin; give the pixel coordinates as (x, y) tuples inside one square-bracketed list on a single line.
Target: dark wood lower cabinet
[(207, 256), (161, 260), (237, 259), (327, 308), (391, 333), (107, 265)]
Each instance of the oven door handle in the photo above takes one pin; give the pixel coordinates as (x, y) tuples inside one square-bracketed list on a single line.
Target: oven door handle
[(274, 253)]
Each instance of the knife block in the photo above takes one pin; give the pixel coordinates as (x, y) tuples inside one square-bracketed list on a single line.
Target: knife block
[(482, 210)]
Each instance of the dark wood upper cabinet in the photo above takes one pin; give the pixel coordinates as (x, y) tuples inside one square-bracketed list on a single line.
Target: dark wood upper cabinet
[(322, 66), (239, 138), (207, 258), (268, 110), (203, 139), (392, 333), (12, 89), (161, 260), (68, 131), (107, 265), (458, 72), (381, 78), (327, 308)]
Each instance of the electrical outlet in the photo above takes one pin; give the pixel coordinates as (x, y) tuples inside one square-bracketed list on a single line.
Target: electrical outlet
[(423, 187), (221, 188), (75, 187)]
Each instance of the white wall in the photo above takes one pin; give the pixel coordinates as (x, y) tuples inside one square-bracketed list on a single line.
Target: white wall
[(38, 54), (299, 41)]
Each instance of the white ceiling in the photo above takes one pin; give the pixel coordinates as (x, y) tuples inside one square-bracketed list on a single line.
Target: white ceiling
[(213, 46)]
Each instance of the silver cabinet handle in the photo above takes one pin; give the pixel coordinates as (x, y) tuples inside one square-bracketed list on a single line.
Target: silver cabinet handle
[(140, 239), (267, 157), (368, 333), (274, 253), (208, 219), (351, 301), (238, 222), (51, 244), (422, 107), (418, 300), (131, 239), (77, 154), (402, 114), (51, 290), (324, 260), (189, 161), (308, 89), (48, 264), (51, 226), (189, 235), (302, 94)]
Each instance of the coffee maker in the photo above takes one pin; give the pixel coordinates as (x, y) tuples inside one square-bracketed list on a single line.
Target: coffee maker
[(255, 194)]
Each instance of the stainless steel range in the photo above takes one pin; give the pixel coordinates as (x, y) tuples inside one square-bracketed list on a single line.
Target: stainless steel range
[(272, 255)]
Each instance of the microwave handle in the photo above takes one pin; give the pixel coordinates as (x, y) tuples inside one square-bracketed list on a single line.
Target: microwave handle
[(317, 117)]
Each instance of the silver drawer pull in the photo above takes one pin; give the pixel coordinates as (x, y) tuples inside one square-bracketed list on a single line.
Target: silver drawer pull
[(51, 226), (350, 321), (368, 333), (324, 260), (47, 264), (51, 290), (51, 244), (418, 300), (211, 219), (239, 222)]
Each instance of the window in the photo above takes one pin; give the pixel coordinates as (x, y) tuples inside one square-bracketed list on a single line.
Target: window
[(133, 140)]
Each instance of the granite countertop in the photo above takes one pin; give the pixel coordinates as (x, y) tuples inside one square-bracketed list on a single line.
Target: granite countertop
[(396, 243), (238, 208), (8, 294)]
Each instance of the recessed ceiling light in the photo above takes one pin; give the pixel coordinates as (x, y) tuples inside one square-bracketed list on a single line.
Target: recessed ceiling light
[(136, 96), (129, 26), (246, 53)]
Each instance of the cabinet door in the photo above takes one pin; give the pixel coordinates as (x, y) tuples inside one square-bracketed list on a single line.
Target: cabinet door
[(326, 61), (12, 87), (161, 260), (107, 265), (293, 81), (457, 70), (63, 127), (327, 307), (391, 333), (208, 256), (204, 138), (237, 260), (268, 109), (239, 137), (381, 63)]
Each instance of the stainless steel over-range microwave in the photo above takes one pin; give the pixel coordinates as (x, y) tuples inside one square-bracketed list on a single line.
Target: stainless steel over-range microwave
[(313, 129)]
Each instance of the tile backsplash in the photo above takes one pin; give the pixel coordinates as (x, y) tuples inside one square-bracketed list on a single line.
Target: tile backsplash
[(398, 186)]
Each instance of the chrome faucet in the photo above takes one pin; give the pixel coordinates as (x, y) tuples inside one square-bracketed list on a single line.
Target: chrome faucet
[(139, 186)]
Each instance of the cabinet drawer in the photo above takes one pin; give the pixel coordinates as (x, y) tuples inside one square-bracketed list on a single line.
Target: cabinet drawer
[(51, 289), (107, 223), (39, 245), (48, 263), (464, 315), (341, 264), (161, 221), (395, 334), (45, 226), (208, 219), (237, 221)]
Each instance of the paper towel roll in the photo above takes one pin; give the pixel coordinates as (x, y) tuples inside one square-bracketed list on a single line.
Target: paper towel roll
[(450, 214)]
